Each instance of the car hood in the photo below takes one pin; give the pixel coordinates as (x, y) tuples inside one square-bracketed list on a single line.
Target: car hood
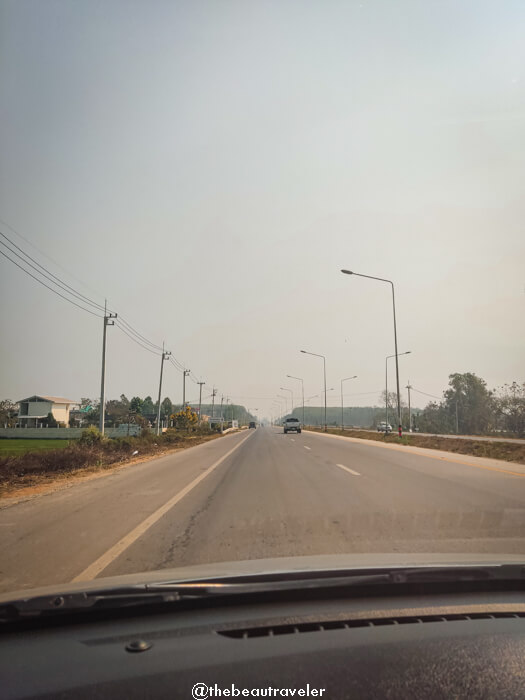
[(283, 566)]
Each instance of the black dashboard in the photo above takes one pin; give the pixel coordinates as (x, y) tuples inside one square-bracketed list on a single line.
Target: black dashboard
[(452, 645)]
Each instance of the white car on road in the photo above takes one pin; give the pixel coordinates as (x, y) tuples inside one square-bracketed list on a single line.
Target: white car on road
[(292, 424)]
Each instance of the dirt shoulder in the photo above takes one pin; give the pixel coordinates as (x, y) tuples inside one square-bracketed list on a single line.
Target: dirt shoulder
[(18, 485), (506, 451)]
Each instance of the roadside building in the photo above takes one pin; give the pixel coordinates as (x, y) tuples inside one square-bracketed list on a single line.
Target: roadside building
[(35, 409)]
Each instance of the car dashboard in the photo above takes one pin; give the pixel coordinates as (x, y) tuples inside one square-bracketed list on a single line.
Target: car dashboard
[(399, 646)]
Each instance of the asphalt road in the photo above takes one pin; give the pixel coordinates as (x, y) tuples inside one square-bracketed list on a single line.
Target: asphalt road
[(258, 494)]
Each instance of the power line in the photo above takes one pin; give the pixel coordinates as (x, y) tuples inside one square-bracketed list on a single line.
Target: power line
[(177, 364), (17, 233), (141, 337), (425, 394), (50, 288), (49, 275), (145, 347), (124, 325)]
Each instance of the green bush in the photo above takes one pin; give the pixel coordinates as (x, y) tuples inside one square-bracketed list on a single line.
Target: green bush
[(91, 436)]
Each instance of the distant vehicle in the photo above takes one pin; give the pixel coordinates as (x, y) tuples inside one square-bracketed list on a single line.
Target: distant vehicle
[(384, 427), (292, 424), (252, 424)]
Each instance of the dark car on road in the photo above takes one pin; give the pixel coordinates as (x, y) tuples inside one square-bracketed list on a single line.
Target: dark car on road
[(252, 424)]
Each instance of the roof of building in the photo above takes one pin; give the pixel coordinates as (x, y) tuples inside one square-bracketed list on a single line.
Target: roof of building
[(52, 399)]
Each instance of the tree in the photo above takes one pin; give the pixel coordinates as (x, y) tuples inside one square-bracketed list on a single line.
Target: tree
[(510, 408), (392, 406), (433, 419), (147, 406), (50, 421), (185, 418), (166, 407), (117, 411), (8, 413), (469, 399), (136, 404)]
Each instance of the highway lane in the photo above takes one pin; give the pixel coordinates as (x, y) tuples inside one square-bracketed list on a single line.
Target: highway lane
[(264, 494)]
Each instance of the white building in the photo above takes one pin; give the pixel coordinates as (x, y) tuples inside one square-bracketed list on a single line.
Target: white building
[(34, 409)]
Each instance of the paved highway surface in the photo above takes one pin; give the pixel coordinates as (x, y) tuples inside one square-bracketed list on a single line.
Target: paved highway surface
[(258, 494)]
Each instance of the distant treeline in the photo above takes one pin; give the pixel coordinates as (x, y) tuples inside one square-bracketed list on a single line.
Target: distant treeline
[(357, 416)]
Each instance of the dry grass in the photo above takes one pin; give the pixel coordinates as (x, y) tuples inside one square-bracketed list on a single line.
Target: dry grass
[(34, 469), (506, 451)]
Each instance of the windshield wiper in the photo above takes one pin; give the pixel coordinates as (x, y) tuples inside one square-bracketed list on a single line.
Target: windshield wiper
[(170, 592)]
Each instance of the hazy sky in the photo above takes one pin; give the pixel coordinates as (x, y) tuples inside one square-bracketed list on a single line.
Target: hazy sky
[(210, 166)]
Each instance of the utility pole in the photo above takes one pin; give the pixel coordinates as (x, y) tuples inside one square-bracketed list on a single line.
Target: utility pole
[(457, 421), (184, 375), (107, 322), (213, 395), (409, 409), (222, 419), (163, 357), (200, 398)]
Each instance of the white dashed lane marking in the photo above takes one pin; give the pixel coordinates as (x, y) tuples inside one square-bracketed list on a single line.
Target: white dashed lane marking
[(350, 471)]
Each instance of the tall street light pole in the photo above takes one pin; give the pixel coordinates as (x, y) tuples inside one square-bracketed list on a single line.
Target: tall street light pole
[(283, 388), (409, 409), (163, 358), (342, 401), (302, 389), (324, 373), (386, 383), (380, 279), (280, 396), (107, 322)]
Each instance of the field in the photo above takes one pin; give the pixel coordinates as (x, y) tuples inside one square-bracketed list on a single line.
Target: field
[(21, 446)]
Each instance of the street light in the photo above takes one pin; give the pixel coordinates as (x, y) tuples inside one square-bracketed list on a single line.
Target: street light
[(279, 396), (380, 279), (302, 385), (386, 381), (283, 388), (342, 402), (324, 372)]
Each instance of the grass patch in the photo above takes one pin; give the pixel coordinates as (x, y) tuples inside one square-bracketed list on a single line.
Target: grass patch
[(35, 467), (506, 451), (21, 446)]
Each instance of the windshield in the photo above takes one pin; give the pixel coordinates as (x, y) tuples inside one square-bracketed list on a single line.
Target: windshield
[(302, 217)]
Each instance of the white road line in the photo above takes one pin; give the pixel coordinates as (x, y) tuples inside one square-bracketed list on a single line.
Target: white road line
[(351, 471), (292, 439), (94, 569), (306, 447)]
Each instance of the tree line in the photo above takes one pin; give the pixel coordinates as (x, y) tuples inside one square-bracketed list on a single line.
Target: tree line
[(468, 407)]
